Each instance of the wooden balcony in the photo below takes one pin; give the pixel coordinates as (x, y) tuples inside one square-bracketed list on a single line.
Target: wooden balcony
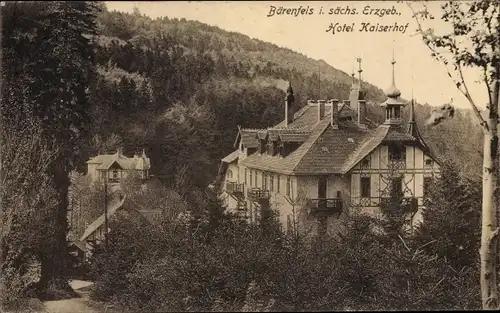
[(258, 194), (326, 206), (235, 189)]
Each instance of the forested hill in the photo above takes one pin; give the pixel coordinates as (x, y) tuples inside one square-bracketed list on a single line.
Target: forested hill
[(180, 88)]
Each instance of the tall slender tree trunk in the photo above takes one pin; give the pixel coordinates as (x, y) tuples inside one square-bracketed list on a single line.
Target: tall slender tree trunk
[(2, 210), (489, 238), (53, 278)]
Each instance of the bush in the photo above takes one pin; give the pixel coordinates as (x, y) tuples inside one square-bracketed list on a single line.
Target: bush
[(197, 262)]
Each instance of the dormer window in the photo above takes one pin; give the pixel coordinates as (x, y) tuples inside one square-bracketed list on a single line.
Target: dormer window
[(281, 149), (270, 148), (397, 152)]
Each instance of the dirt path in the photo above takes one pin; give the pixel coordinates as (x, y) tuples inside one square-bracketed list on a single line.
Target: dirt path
[(74, 305)]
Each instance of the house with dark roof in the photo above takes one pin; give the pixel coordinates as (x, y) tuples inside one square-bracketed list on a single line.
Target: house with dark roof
[(121, 206), (114, 167), (328, 159)]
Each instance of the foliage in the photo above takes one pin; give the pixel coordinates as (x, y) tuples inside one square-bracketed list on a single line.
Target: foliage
[(27, 202), (473, 43), (192, 264), (47, 77)]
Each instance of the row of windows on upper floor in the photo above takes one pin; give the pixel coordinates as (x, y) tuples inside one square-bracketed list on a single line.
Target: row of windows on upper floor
[(396, 185), (269, 181), (396, 152), (274, 148)]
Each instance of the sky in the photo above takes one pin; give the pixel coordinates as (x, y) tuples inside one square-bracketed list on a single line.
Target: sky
[(416, 72)]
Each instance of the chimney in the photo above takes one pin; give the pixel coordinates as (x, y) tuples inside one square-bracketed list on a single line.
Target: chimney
[(321, 110), (289, 100), (362, 113), (335, 114)]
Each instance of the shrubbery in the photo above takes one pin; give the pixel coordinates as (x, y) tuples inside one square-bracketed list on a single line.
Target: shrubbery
[(198, 263)]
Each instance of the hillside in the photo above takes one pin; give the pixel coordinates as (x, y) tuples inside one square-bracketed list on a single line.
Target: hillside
[(180, 89)]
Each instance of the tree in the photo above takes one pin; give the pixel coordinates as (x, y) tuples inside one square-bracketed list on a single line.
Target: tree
[(475, 43), (50, 65), (27, 202)]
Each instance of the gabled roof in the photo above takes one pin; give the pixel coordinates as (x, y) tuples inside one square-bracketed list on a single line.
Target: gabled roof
[(124, 204), (248, 137), (101, 219), (307, 159), (233, 156), (105, 161), (370, 142), (324, 149)]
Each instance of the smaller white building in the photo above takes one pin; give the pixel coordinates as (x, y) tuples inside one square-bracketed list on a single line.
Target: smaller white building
[(114, 167)]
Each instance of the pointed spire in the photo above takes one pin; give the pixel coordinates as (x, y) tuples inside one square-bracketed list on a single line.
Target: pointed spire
[(393, 92), (143, 153), (412, 124)]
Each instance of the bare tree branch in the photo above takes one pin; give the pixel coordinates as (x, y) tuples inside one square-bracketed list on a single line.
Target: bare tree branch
[(458, 83)]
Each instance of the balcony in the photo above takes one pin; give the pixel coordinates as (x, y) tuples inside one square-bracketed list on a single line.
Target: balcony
[(326, 206), (408, 204), (235, 189), (258, 194)]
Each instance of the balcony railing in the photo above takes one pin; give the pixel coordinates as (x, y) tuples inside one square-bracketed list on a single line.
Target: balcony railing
[(234, 188), (258, 194), (326, 206)]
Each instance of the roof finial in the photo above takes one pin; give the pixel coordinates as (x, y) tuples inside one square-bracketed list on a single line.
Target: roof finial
[(352, 75), (143, 153), (359, 70), (393, 92), (412, 86)]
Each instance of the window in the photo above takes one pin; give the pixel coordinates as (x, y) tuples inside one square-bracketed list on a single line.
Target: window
[(288, 186), (271, 182), (115, 173), (397, 185), (278, 183), (264, 181), (397, 112), (427, 183), (251, 177), (246, 181), (281, 149), (428, 162), (229, 174), (256, 178), (262, 146), (365, 187), (365, 163), (397, 152)]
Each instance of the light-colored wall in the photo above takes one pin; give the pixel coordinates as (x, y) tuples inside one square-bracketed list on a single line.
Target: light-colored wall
[(92, 171), (306, 187), (413, 176)]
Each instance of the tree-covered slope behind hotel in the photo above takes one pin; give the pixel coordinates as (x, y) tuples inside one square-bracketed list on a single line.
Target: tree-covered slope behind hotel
[(180, 88)]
